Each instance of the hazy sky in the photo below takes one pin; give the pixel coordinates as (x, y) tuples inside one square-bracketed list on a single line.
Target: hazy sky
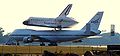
[(14, 12)]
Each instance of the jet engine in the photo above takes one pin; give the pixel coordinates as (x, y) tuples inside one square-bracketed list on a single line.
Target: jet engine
[(27, 39)]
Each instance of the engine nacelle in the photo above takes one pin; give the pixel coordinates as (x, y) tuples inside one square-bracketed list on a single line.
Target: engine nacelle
[(27, 39)]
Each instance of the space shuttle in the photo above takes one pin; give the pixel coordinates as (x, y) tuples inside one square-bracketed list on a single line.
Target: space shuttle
[(62, 21)]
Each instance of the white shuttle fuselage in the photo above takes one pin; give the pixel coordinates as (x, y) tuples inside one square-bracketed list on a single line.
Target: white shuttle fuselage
[(62, 21)]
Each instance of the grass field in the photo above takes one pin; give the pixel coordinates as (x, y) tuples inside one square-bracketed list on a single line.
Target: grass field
[(40, 49)]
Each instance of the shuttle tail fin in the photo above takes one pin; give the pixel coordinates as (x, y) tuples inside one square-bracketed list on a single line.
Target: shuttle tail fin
[(66, 11), (94, 23)]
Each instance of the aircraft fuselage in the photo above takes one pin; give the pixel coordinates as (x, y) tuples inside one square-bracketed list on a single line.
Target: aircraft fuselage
[(65, 22), (50, 35)]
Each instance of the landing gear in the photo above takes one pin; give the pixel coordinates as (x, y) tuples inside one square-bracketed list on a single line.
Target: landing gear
[(52, 44), (17, 43), (42, 44), (59, 28), (55, 29)]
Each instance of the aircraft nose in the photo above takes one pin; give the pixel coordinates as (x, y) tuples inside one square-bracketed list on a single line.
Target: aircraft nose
[(25, 22)]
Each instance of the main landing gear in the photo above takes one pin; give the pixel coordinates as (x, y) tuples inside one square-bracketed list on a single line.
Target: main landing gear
[(42, 44), (52, 44)]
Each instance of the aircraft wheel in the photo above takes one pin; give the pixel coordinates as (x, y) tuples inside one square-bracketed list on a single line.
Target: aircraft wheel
[(55, 45), (42, 44), (52, 44), (49, 45)]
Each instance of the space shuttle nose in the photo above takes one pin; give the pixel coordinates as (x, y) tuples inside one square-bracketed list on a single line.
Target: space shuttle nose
[(25, 22)]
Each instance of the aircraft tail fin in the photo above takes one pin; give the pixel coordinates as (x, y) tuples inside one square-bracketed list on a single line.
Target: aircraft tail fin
[(94, 23), (66, 11)]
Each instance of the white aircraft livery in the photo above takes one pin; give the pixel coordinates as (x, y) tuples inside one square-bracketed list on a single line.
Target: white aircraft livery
[(62, 21), (54, 37)]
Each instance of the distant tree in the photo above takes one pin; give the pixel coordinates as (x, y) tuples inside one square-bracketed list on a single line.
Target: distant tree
[(1, 31)]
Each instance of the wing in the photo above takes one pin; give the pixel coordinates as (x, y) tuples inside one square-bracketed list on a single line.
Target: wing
[(39, 39)]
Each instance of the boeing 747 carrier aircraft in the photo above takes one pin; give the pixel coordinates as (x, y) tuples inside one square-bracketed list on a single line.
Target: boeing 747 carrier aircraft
[(62, 21), (54, 37)]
